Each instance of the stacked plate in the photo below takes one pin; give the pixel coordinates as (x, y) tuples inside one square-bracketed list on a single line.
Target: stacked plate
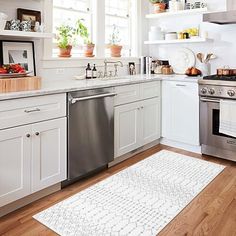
[(3, 20)]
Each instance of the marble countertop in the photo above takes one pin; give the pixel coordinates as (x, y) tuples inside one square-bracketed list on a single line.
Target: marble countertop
[(69, 85)]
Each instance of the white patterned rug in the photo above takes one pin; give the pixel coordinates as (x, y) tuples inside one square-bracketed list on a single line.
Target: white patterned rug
[(140, 200)]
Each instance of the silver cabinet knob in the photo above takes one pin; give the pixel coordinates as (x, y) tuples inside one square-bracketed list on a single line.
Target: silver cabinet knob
[(231, 93)]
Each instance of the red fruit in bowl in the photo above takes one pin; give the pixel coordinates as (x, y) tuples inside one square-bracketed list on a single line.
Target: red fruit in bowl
[(3, 71)]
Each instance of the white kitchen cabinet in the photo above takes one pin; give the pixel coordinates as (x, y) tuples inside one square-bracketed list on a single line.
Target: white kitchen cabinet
[(33, 145), (127, 128), (127, 94), (150, 120), (136, 124), (15, 159), (48, 153), (180, 112)]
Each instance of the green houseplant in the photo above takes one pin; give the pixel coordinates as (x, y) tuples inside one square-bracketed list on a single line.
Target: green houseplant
[(65, 40), (114, 45), (82, 31), (159, 5)]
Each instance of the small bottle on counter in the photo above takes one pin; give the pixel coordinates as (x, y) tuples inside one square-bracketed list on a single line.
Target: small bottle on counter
[(88, 72), (94, 72)]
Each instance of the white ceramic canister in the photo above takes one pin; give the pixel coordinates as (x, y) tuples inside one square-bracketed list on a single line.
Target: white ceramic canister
[(155, 33), (171, 36)]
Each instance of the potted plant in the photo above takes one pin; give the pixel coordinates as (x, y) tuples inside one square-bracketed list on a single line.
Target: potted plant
[(82, 31), (159, 5), (65, 40), (114, 43)]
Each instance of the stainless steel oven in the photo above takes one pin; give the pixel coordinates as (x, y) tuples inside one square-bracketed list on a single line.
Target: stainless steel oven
[(212, 141)]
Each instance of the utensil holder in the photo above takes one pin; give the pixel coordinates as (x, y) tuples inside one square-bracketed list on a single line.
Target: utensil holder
[(205, 68)]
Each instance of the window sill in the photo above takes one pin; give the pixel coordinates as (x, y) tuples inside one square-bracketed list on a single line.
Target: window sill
[(57, 62)]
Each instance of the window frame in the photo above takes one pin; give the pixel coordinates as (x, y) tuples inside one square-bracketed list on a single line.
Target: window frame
[(98, 30)]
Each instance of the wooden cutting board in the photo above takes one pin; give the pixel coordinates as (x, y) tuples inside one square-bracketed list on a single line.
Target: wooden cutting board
[(20, 84)]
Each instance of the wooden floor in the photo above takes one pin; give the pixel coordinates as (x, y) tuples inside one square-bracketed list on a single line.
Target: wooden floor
[(213, 212)]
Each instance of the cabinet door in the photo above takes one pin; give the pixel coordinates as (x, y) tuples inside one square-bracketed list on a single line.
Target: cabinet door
[(180, 112), (48, 153), (127, 94), (150, 120), (127, 128), (15, 154)]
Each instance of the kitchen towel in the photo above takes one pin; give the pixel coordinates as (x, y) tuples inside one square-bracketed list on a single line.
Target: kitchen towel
[(228, 117)]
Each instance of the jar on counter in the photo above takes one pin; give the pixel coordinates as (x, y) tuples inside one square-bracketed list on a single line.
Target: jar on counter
[(167, 70)]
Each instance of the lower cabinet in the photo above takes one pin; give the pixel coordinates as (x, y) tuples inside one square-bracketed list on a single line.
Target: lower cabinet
[(150, 120), (15, 164), (180, 112), (49, 153), (34, 158), (136, 124)]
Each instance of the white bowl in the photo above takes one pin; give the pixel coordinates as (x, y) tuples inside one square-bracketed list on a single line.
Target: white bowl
[(171, 36)]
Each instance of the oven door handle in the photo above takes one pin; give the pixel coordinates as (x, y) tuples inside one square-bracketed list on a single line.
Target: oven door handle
[(210, 100)]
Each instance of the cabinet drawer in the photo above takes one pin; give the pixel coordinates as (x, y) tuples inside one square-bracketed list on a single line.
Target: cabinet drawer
[(29, 110), (127, 94), (150, 90)]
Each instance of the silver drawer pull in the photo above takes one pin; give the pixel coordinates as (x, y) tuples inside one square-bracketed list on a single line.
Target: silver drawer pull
[(181, 85), (33, 110)]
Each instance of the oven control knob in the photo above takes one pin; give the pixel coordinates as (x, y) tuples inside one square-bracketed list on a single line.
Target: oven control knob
[(211, 91), (231, 93), (203, 90)]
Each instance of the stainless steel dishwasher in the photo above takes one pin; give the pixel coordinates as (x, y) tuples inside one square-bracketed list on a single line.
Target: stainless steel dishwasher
[(90, 131)]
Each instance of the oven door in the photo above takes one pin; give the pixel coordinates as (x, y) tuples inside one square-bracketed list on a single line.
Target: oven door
[(212, 141)]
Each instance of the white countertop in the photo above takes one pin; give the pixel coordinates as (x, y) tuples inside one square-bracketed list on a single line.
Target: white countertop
[(68, 85)]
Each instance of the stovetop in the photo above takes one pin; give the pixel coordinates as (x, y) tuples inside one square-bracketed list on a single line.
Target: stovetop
[(217, 77)]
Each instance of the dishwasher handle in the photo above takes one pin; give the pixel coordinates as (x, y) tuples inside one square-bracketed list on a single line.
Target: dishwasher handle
[(74, 100)]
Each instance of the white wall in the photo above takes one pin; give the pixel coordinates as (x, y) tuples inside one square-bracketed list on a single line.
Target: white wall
[(223, 45)]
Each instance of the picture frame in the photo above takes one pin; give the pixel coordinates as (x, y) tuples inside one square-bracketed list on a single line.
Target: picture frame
[(29, 15), (132, 68), (18, 52)]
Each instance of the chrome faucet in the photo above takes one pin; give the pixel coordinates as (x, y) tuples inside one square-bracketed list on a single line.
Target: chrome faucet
[(116, 64)]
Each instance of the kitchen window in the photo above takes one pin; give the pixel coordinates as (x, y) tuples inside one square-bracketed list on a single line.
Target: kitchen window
[(119, 15), (68, 12), (100, 16)]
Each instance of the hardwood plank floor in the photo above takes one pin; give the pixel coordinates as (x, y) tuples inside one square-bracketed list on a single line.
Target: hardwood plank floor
[(212, 212)]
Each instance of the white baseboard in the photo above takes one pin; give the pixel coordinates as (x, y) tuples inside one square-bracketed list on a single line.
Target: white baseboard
[(187, 147), (29, 199), (133, 153)]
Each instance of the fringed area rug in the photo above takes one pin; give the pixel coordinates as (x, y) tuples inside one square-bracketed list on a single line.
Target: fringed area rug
[(140, 200)]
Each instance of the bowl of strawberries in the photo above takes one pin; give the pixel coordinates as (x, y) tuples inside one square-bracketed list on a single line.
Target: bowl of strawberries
[(12, 71)]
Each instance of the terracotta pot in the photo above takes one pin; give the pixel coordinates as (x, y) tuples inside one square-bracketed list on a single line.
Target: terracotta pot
[(88, 50), (115, 50), (159, 7), (65, 52)]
